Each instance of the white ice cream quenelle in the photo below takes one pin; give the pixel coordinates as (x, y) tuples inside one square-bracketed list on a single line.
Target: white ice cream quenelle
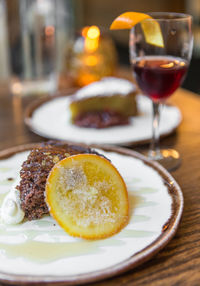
[(11, 212)]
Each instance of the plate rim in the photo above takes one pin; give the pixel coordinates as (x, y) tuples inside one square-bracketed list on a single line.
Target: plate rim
[(169, 228), (32, 107)]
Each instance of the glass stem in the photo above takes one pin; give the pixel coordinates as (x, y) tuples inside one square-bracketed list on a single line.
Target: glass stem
[(154, 152)]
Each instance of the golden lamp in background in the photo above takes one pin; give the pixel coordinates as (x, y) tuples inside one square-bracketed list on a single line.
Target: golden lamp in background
[(91, 57)]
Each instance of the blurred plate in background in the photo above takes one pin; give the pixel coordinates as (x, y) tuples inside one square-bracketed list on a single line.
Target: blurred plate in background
[(50, 118)]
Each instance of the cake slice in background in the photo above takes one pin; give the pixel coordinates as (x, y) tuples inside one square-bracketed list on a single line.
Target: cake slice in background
[(108, 102)]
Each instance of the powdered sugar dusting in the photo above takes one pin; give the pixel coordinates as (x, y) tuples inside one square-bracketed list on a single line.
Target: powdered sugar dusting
[(108, 86), (88, 203), (73, 178)]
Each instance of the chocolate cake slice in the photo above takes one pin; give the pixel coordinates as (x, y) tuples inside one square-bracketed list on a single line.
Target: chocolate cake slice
[(34, 173)]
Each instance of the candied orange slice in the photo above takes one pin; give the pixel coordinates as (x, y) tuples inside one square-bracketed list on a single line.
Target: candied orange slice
[(151, 29), (87, 196)]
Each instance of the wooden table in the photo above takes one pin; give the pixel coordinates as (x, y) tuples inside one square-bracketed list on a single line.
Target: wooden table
[(179, 262)]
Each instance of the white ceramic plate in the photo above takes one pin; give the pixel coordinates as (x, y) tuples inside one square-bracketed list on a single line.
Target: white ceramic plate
[(51, 119), (40, 251)]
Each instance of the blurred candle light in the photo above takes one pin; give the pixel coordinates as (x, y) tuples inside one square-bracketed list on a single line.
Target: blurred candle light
[(91, 57), (91, 60), (92, 39)]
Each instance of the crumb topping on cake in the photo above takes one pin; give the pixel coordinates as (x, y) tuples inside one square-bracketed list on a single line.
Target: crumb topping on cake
[(34, 173)]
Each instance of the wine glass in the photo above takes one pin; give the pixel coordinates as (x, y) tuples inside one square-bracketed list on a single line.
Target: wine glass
[(159, 71)]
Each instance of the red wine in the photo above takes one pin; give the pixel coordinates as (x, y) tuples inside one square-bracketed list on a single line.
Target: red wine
[(158, 77)]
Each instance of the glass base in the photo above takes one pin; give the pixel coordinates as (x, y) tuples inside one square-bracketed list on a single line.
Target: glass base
[(168, 158)]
